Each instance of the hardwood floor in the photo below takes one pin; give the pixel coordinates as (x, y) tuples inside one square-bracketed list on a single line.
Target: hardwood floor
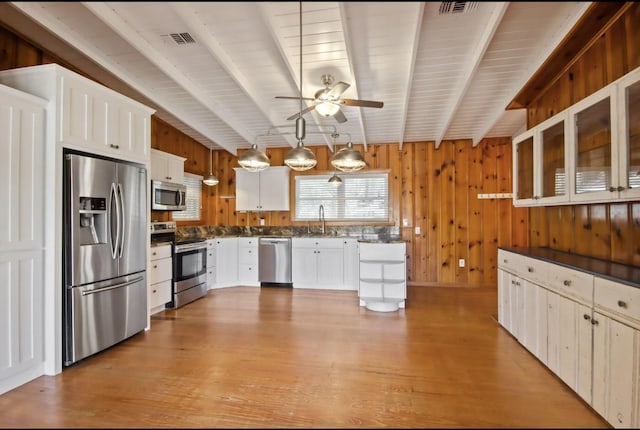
[(274, 357)]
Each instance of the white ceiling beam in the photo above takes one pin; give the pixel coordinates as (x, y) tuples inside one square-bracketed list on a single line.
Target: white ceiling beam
[(120, 27), (352, 71), (195, 25), (410, 70), (40, 15), (496, 114), (472, 66)]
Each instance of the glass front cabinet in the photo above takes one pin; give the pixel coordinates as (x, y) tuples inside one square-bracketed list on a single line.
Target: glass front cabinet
[(540, 160), (589, 152)]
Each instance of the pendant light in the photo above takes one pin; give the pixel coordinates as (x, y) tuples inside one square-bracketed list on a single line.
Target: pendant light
[(253, 159), (348, 159), (210, 180), (335, 180), (300, 158)]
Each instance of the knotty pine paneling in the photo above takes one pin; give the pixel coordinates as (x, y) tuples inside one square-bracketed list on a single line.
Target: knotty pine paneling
[(608, 231)]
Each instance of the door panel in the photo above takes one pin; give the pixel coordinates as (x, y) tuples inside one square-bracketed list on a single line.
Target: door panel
[(134, 198)]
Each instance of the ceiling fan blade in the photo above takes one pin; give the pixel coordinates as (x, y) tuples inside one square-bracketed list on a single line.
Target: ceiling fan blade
[(294, 98), (339, 116), (338, 89), (305, 110), (362, 103)]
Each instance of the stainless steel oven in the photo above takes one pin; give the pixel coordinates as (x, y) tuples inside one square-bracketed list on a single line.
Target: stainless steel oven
[(189, 272)]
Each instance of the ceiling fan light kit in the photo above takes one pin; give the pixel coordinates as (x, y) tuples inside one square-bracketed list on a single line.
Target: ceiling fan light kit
[(210, 180), (327, 108), (254, 160), (348, 159)]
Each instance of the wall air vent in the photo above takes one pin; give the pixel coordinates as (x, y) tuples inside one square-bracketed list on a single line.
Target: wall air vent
[(450, 7), (182, 38)]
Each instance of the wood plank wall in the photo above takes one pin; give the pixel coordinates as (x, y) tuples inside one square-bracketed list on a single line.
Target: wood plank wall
[(434, 189), (610, 231)]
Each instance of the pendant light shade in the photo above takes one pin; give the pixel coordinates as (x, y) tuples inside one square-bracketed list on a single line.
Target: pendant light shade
[(253, 159), (348, 159), (335, 180), (210, 180), (300, 158)]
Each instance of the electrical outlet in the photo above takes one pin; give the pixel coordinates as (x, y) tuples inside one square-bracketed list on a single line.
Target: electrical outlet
[(417, 229), (461, 262), (261, 221)]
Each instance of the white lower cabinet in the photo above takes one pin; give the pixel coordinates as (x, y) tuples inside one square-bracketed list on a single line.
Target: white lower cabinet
[(211, 263), (160, 277), (317, 263), (248, 261), (616, 353), (383, 276), (583, 327), (350, 265), (226, 262)]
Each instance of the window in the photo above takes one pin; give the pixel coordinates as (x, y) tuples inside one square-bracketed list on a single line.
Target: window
[(362, 196), (194, 193)]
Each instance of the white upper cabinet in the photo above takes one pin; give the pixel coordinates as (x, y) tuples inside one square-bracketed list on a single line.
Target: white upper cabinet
[(587, 153), (629, 136), (167, 167), (267, 190), (89, 117)]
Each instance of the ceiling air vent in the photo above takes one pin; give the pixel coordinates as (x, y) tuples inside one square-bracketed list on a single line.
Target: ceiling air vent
[(182, 38), (449, 7)]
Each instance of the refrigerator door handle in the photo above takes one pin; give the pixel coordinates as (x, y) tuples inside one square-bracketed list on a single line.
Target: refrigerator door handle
[(112, 242), (113, 287), (122, 220)]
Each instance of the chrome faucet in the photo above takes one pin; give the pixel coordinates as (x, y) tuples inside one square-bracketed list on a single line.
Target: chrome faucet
[(321, 217)]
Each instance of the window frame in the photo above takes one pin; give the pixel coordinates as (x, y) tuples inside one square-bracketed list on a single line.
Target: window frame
[(325, 175)]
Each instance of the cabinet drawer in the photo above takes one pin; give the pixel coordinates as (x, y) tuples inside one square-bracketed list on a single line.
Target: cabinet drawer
[(617, 298), (511, 262), (248, 272), (251, 242), (159, 294), (571, 282), (158, 252), (248, 256), (534, 270), (317, 242), (160, 270), (211, 258)]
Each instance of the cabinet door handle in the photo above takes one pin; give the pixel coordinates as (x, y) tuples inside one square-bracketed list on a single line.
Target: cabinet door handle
[(155, 266), (622, 304), (566, 283), (621, 188), (587, 317), (154, 291), (530, 269), (612, 189), (504, 261), (154, 253), (594, 322), (114, 146)]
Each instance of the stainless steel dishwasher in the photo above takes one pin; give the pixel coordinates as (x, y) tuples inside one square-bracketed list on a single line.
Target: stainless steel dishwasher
[(274, 261)]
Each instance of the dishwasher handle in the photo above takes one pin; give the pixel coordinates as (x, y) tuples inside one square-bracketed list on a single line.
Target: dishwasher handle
[(274, 240)]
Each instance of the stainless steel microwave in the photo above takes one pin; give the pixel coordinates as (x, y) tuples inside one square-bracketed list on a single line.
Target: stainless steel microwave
[(167, 196)]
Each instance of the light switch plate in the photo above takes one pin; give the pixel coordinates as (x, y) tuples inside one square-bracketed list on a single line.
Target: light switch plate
[(417, 229)]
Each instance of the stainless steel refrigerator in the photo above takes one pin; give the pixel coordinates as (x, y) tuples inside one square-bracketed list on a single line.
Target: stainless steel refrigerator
[(104, 238)]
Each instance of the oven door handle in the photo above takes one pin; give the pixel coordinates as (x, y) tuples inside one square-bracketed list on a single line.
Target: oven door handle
[(191, 246)]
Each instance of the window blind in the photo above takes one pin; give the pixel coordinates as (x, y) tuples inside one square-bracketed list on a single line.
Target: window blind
[(362, 196), (193, 197)]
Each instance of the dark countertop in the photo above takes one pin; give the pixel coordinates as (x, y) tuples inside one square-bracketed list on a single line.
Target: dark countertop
[(613, 271)]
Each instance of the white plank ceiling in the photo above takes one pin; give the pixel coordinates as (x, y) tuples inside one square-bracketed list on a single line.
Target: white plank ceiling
[(444, 70)]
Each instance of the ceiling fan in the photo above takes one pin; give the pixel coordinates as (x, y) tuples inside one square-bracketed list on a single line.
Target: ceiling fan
[(327, 101)]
